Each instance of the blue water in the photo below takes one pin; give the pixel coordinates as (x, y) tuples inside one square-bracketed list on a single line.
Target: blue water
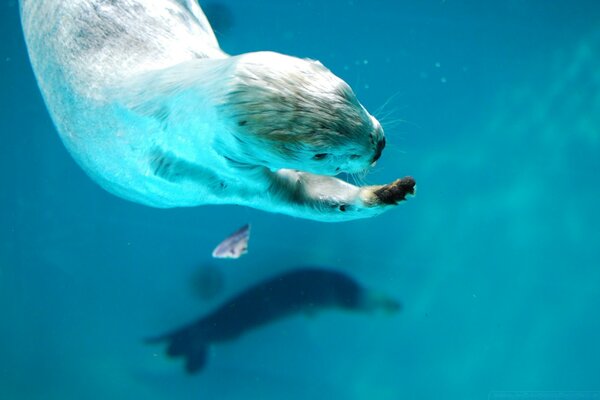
[(494, 107)]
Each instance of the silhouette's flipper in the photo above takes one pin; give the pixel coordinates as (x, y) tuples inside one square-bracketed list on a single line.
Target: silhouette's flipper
[(185, 343), (195, 360)]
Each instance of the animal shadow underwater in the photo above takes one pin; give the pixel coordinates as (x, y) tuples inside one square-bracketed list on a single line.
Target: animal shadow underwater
[(303, 290)]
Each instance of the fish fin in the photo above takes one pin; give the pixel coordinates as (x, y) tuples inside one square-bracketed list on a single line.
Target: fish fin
[(244, 230)]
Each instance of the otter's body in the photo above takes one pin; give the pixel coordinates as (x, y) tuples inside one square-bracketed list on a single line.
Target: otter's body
[(80, 49), (155, 112)]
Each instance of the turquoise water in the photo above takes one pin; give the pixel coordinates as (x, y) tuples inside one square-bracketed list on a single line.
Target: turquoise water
[(494, 107)]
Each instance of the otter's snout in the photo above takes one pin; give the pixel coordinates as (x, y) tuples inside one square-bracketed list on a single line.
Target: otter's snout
[(379, 149)]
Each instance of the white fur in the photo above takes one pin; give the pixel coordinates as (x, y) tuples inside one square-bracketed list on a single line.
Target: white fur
[(155, 112)]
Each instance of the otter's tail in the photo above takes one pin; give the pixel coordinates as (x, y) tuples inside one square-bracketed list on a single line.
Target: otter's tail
[(184, 343)]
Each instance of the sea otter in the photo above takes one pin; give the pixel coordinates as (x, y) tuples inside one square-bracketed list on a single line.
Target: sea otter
[(155, 112)]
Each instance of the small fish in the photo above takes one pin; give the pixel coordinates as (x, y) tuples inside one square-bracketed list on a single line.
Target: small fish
[(235, 246)]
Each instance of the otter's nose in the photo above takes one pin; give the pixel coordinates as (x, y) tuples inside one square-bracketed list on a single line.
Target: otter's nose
[(380, 146)]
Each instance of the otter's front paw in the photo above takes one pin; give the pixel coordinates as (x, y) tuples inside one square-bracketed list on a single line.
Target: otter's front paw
[(390, 194), (395, 191)]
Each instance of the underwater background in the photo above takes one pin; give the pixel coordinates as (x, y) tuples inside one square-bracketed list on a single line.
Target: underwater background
[(494, 108)]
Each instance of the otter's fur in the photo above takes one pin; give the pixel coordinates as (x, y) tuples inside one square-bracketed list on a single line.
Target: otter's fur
[(152, 109)]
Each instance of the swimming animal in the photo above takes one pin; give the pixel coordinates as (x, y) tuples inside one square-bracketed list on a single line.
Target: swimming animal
[(155, 112), (235, 245), (304, 290)]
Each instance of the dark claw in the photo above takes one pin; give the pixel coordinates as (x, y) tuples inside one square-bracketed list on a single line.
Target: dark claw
[(396, 191)]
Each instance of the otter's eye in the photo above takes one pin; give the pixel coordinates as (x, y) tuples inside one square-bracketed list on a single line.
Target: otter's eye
[(320, 156), (354, 156)]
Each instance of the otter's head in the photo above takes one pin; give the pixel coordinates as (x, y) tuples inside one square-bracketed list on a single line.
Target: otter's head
[(287, 112)]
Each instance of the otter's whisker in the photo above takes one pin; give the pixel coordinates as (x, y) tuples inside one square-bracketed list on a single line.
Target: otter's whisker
[(388, 121), (360, 177), (385, 116), (352, 179), (357, 180), (398, 121), (385, 104)]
